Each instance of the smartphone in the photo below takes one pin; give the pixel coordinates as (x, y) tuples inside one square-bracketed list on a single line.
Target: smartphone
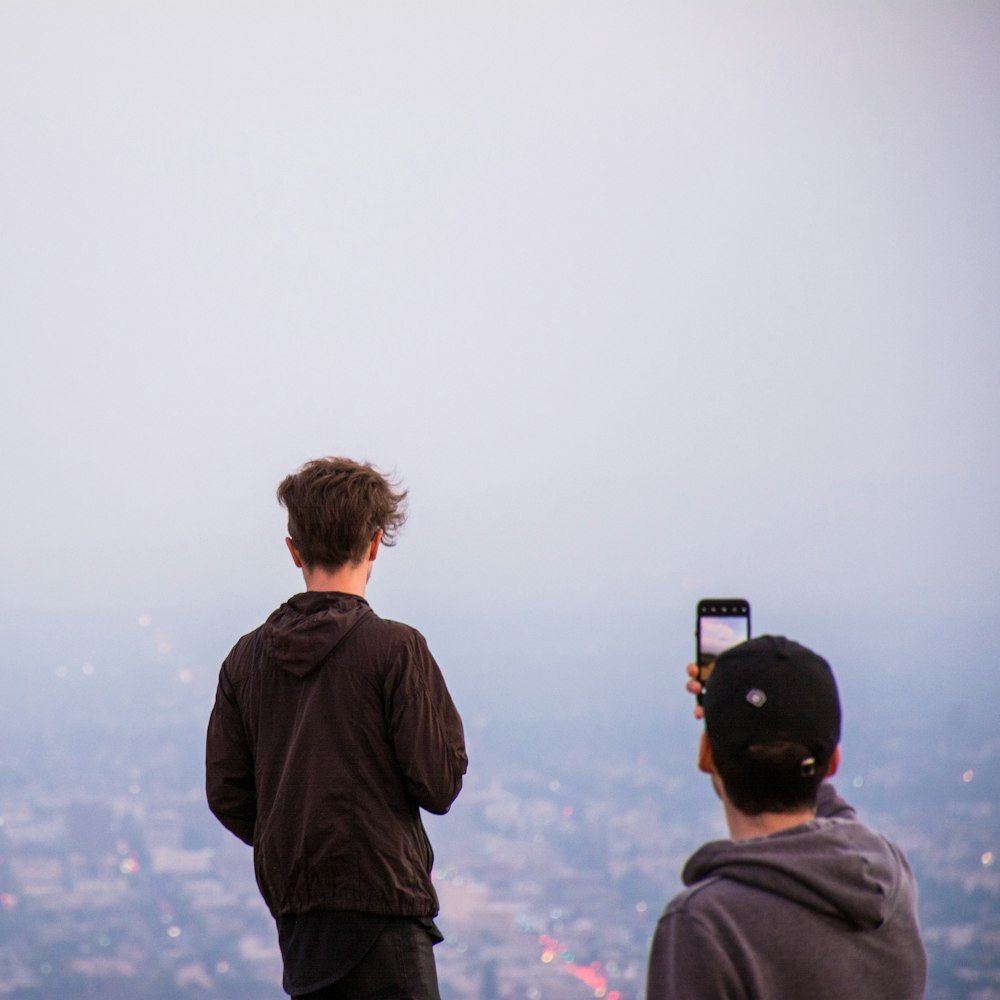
[(721, 622)]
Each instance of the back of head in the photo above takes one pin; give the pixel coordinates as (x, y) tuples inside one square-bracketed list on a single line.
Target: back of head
[(335, 508), (772, 715)]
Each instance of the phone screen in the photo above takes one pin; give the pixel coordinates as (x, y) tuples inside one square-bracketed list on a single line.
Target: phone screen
[(722, 623)]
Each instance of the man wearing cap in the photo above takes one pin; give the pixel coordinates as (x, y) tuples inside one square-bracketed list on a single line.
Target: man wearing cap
[(803, 900)]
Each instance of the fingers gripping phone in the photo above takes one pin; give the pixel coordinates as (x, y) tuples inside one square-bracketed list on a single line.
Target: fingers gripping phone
[(721, 622)]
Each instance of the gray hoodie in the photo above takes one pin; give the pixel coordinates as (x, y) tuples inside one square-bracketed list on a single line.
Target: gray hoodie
[(823, 910)]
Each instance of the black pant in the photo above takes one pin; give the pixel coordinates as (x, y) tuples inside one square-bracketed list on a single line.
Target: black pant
[(399, 966)]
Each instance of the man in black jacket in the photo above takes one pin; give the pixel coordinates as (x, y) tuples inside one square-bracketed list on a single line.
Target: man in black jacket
[(331, 729)]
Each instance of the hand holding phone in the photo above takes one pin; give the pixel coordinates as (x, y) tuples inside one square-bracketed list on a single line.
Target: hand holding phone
[(693, 686), (721, 622)]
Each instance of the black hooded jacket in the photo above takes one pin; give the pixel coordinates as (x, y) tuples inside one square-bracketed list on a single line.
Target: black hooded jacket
[(331, 729)]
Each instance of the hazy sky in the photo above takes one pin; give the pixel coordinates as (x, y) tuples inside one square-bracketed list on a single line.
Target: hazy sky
[(645, 302)]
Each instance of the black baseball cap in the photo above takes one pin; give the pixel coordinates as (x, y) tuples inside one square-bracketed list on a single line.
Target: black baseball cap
[(768, 689)]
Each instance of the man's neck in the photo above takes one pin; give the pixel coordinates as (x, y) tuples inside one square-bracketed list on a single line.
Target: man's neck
[(743, 827), (351, 578)]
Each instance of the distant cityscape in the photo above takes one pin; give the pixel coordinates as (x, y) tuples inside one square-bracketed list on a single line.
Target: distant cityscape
[(552, 869)]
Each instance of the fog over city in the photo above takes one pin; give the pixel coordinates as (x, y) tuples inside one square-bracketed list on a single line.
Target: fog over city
[(643, 303)]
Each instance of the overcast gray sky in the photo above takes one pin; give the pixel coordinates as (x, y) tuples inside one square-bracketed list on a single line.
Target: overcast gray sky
[(645, 302)]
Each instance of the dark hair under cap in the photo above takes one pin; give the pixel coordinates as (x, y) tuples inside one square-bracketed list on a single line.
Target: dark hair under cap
[(770, 689)]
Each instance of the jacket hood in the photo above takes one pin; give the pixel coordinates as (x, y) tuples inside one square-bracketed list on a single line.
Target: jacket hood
[(308, 627), (836, 867)]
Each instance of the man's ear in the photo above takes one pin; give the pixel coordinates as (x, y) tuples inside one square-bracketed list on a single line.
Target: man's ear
[(373, 550), (296, 558), (705, 761), (834, 765)]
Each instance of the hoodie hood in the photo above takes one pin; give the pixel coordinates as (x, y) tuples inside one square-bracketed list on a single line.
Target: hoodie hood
[(308, 627), (836, 867)]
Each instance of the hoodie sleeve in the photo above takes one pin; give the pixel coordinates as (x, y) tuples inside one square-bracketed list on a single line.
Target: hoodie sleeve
[(229, 770), (686, 962), (425, 728)]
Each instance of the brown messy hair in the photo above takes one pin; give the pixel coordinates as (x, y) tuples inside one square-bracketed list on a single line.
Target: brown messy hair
[(335, 507), (780, 776)]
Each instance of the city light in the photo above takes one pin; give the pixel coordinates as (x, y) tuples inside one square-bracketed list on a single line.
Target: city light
[(590, 975)]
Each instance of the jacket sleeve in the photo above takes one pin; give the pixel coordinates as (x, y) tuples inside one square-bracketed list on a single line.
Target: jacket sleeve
[(425, 728), (229, 771)]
